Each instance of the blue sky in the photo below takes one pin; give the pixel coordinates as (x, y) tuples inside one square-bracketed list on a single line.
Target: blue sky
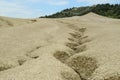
[(36, 8)]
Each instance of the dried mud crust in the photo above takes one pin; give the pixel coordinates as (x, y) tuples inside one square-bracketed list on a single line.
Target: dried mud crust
[(116, 77), (69, 76), (82, 65), (2, 68), (62, 56)]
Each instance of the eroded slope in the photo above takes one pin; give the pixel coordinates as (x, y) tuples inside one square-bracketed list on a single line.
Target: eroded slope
[(77, 48)]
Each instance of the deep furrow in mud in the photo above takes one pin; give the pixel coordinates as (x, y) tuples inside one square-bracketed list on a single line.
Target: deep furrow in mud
[(84, 66)]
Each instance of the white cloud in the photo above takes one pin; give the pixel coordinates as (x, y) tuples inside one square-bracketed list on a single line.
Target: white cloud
[(49, 2), (15, 9), (25, 8)]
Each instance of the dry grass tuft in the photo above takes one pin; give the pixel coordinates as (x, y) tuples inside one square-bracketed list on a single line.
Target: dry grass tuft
[(83, 65), (61, 55), (69, 76)]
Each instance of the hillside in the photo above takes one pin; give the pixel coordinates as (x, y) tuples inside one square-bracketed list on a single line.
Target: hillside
[(107, 10), (11, 22), (75, 48)]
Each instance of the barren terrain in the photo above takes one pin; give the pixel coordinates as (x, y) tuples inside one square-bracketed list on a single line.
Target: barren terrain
[(77, 48)]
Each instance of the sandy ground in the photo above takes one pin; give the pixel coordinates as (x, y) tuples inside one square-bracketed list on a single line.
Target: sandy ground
[(76, 48)]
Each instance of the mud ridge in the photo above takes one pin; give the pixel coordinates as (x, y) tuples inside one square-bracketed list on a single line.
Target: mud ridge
[(82, 65)]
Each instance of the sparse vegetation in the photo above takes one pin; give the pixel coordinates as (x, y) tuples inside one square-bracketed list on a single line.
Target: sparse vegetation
[(31, 53), (109, 10)]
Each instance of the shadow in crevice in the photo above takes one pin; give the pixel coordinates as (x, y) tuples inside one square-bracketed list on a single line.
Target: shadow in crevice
[(82, 65)]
